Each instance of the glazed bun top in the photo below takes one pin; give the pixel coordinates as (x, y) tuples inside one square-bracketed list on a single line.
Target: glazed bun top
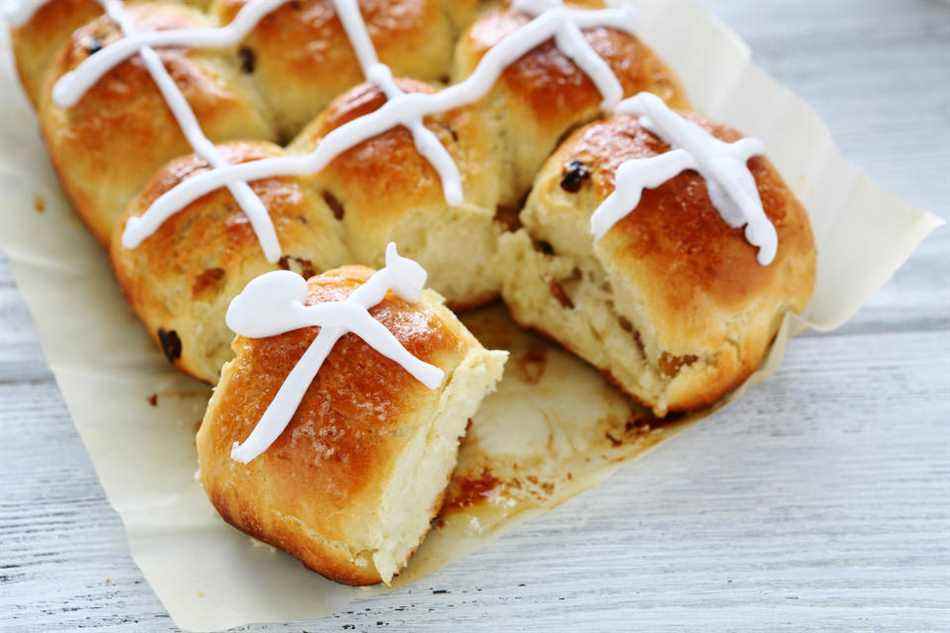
[(182, 277), (382, 180), (121, 131)]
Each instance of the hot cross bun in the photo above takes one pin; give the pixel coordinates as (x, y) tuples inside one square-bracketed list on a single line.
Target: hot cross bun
[(351, 485), (111, 142), (181, 293), (671, 304)]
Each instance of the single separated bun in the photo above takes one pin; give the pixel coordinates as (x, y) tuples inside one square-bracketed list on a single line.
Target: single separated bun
[(351, 485), (671, 303)]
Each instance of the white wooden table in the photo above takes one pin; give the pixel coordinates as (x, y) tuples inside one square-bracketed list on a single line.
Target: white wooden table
[(820, 503)]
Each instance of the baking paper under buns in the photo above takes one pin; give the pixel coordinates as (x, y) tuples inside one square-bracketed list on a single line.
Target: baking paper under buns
[(672, 303), (351, 485), (182, 278)]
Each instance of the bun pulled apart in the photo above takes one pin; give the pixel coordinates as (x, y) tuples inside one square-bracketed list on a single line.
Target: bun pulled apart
[(672, 303), (352, 483)]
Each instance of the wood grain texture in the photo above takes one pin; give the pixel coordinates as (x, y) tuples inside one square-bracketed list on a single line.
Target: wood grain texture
[(821, 502)]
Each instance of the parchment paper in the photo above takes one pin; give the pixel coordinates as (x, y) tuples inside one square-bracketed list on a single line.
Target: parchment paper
[(553, 429)]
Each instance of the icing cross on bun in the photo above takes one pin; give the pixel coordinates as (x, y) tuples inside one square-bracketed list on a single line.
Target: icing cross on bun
[(731, 186), (666, 297), (273, 304), (359, 453), (390, 160)]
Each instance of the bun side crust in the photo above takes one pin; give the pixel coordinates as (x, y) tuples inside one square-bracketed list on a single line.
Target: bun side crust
[(324, 490), (672, 302), (386, 191), (181, 279), (107, 146)]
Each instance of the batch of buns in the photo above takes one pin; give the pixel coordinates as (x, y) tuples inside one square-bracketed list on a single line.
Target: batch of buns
[(672, 302)]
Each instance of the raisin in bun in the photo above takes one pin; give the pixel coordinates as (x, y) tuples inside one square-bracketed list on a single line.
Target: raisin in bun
[(384, 190), (301, 58), (181, 279), (544, 94), (120, 132), (352, 483), (672, 303)]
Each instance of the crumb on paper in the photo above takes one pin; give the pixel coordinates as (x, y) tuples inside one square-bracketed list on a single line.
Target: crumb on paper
[(39, 203), (262, 545), (153, 399)]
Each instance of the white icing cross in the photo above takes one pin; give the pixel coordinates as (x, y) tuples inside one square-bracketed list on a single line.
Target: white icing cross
[(273, 304), (724, 166)]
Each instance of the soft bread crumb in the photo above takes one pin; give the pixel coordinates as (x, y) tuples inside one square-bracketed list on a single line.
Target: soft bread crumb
[(423, 470), (581, 314)]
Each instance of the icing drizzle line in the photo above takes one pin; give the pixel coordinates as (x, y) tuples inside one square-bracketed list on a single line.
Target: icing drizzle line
[(724, 166), (273, 304)]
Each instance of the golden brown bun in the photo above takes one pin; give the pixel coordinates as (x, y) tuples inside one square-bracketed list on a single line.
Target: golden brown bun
[(544, 94), (351, 485), (121, 132), (182, 278), (302, 58), (37, 42), (386, 191), (672, 302)]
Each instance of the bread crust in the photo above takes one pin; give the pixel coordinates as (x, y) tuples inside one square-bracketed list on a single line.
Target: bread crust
[(386, 191), (37, 42), (303, 58)]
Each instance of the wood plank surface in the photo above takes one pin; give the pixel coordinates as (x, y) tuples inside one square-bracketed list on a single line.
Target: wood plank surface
[(821, 502)]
